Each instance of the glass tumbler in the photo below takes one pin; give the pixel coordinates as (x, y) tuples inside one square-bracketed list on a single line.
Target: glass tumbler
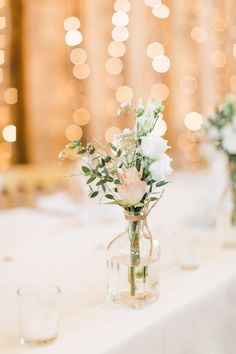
[(38, 310), (188, 250)]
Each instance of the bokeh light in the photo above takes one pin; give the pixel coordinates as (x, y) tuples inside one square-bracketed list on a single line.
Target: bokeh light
[(218, 59), (81, 71), (114, 66), (152, 3), (234, 50), (81, 116), (71, 23), (110, 133), (2, 22), (120, 34), (124, 94), (9, 133), (161, 63), (218, 24), (10, 95), (73, 132), (233, 83), (116, 49), (73, 38), (233, 32), (122, 6), (120, 19), (154, 49), (199, 34), (78, 56), (2, 57), (193, 121), (161, 11), (160, 128), (160, 92)]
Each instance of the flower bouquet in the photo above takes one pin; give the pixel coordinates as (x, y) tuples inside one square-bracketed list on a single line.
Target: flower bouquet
[(220, 128), (130, 172)]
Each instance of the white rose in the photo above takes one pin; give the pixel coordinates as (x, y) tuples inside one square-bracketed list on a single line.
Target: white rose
[(214, 133), (229, 139), (159, 169), (153, 146)]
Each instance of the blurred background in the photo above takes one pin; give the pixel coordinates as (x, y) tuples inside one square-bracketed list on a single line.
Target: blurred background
[(66, 65)]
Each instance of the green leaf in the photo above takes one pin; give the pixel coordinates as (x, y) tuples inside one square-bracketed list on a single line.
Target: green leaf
[(113, 147), (81, 151), (101, 182), (109, 179), (104, 188), (91, 179), (153, 199), (85, 169), (117, 181), (161, 183), (119, 152), (109, 196), (107, 159), (94, 194)]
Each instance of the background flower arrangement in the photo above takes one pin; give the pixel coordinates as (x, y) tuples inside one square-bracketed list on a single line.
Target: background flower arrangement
[(220, 128)]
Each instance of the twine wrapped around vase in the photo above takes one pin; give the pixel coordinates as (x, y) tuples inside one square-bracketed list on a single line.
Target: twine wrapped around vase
[(141, 217)]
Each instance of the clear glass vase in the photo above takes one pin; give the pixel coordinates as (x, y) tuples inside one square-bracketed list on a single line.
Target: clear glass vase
[(133, 265), (232, 168)]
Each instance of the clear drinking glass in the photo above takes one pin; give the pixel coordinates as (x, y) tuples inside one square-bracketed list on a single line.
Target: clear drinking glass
[(188, 249), (38, 307)]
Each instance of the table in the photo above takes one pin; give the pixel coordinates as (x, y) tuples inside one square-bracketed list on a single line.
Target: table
[(196, 312)]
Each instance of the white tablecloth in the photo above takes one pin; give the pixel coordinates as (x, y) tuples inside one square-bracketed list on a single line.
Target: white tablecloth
[(196, 312)]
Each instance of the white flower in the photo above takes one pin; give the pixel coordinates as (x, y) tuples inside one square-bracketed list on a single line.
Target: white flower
[(159, 169), (234, 121), (229, 139), (153, 146), (214, 133)]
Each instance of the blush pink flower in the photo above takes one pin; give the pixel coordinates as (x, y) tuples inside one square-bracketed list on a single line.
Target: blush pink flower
[(132, 189)]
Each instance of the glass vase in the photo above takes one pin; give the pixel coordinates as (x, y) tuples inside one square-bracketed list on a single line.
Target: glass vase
[(133, 265), (232, 169)]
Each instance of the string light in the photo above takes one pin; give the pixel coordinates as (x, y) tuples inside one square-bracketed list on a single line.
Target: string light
[(78, 56), (9, 133), (116, 49), (154, 49), (2, 22), (199, 34), (161, 63), (122, 5), (161, 11), (81, 71), (218, 59), (124, 94), (120, 19), (71, 23), (81, 116), (73, 132), (193, 121), (73, 38), (114, 66), (160, 92), (120, 34), (152, 3), (110, 133)]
